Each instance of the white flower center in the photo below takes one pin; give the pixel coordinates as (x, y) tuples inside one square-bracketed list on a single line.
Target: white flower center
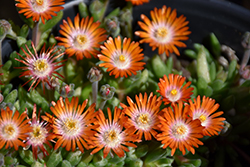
[(9, 132), (173, 95), (38, 135), (180, 131)]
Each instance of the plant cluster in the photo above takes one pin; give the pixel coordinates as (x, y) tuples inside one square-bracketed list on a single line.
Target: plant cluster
[(88, 96)]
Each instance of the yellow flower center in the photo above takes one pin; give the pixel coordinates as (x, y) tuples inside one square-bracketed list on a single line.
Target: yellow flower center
[(81, 39), (161, 32), (70, 124), (41, 65), (202, 118), (143, 118), (112, 135), (122, 58), (39, 2), (181, 130), (9, 130), (173, 92), (37, 132)]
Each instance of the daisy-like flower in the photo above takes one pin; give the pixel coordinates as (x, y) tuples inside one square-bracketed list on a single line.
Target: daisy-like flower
[(122, 58), (37, 9), (179, 131), (83, 38), (143, 115), (111, 134), (40, 134), (205, 112), (14, 128), (40, 68), (0, 76), (72, 124), (138, 2), (172, 89), (164, 31)]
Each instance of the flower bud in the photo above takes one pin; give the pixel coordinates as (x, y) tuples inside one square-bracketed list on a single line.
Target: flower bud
[(107, 92), (94, 74), (113, 26), (5, 28)]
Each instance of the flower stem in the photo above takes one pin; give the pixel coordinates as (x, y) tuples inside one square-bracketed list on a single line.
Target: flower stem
[(36, 34), (94, 91), (102, 104)]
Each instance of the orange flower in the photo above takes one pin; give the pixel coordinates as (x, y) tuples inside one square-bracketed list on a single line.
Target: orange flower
[(179, 131), (40, 68), (205, 112), (82, 39), (138, 2), (143, 115), (172, 89), (14, 128), (164, 31), (122, 58), (111, 134), (40, 134), (72, 124), (39, 8)]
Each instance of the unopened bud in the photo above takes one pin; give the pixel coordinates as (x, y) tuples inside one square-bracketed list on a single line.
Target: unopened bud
[(94, 74), (5, 28), (112, 26), (107, 92)]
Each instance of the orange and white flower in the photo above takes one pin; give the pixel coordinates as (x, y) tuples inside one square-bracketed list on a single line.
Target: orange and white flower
[(205, 111), (179, 131), (111, 135), (172, 89), (40, 68), (82, 38), (143, 115), (165, 31), (14, 128), (122, 58), (72, 125), (37, 9)]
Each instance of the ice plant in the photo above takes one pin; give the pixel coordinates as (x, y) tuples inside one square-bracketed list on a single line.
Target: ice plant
[(121, 57), (111, 134), (165, 31), (14, 128), (41, 134), (205, 111), (72, 124), (37, 9), (179, 131), (40, 68), (138, 2), (173, 89), (143, 115), (81, 38)]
